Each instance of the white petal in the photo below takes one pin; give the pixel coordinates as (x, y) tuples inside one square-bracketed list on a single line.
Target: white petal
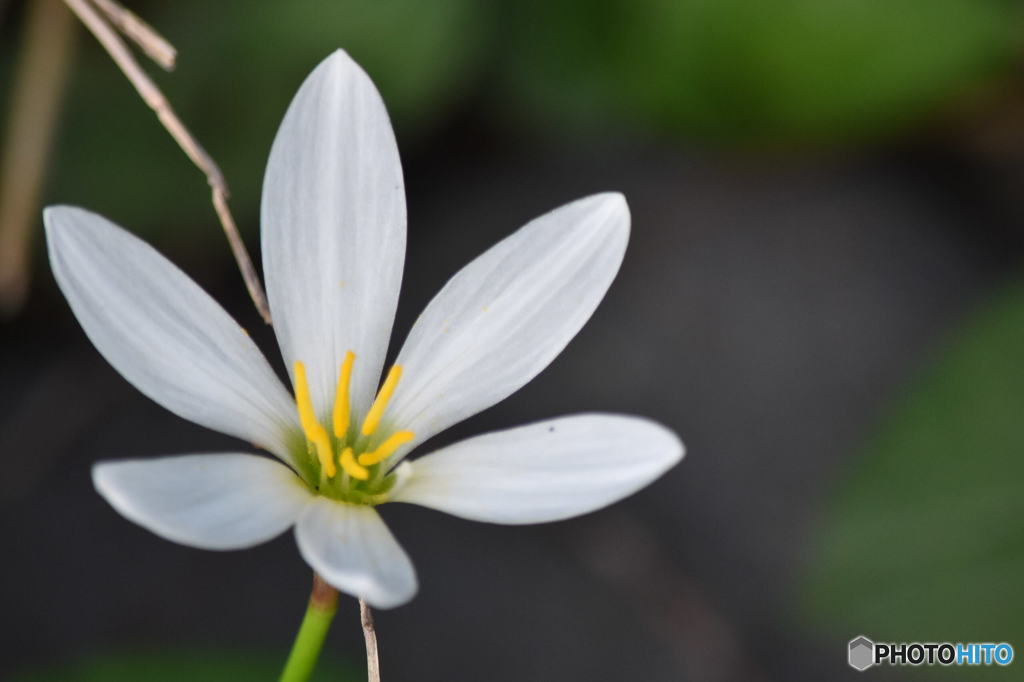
[(546, 471), (163, 333), (228, 501), (334, 230), (352, 549), (505, 316)]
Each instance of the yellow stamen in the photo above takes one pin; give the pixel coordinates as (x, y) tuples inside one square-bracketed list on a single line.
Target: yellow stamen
[(351, 467), (315, 432), (342, 412), (386, 449), (381, 401)]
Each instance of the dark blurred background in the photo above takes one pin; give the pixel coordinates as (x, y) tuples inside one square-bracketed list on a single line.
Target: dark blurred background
[(822, 295)]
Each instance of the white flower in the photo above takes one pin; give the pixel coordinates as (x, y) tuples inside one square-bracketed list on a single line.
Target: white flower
[(333, 234)]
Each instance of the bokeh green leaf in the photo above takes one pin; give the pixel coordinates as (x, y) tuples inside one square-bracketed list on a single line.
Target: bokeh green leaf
[(926, 540), (740, 71)]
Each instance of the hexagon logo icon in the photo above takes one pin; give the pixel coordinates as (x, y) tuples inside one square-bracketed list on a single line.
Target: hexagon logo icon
[(861, 653)]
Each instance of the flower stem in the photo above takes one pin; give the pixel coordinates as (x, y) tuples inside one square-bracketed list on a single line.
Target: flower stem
[(323, 603)]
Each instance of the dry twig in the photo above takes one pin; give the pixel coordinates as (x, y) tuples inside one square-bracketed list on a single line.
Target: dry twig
[(142, 34), (370, 635), (156, 101)]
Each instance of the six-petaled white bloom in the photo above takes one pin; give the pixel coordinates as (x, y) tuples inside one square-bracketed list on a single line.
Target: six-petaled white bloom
[(333, 232)]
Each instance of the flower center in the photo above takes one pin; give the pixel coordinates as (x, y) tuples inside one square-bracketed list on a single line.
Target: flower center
[(361, 453)]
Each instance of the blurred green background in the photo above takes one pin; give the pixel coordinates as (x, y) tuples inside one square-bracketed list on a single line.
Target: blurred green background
[(730, 73), (822, 296)]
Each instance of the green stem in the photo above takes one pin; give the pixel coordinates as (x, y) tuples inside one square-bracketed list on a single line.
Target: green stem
[(323, 603)]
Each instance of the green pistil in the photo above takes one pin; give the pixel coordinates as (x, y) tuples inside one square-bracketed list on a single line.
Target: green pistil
[(341, 486)]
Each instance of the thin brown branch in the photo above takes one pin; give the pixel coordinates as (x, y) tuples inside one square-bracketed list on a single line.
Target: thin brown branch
[(156, 47), (252, 280), (43, 64), (370, 635), (156, 101)]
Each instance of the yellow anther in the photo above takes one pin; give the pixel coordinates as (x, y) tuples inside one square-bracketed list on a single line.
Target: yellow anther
[(315, 432), (342, 411), (386, 449), (351, 467), (381, 401)]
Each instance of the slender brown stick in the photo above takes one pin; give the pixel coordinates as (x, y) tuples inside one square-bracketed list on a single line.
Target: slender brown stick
[(41, 71), (156, 101), (370, 635), (252, 280), (156, 47)]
